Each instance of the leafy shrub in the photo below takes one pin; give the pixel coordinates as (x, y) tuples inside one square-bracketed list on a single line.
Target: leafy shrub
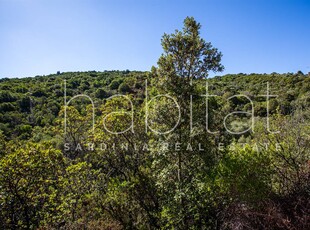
[(101, 93), (39, 93), (124, 88), (6, 97), (7, 107), (114, 84)]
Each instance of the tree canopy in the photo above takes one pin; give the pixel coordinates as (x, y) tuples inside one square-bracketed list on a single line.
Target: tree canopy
[(161, 149)]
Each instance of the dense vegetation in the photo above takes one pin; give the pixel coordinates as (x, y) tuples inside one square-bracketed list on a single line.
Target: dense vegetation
[(132, 170)]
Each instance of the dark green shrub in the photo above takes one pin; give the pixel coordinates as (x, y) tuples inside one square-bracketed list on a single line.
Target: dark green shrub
[(101, 93), (114, 84), (124, 88)]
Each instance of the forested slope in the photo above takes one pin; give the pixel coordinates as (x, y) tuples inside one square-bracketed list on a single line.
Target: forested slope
[(165, 149), (45, 183)]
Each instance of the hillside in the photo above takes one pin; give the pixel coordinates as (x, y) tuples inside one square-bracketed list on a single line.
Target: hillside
[(55, 179), (30, 104), (165, 149)]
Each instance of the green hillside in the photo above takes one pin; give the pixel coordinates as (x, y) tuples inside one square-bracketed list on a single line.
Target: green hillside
[(31, 104), (165, 149), (53, 179)]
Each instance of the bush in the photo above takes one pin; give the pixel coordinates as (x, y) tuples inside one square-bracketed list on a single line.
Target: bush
[(7, 107), (32, 172), (124, 88), (25, 104), (114, 84), (39, 93), (101, 93), (6, 97)]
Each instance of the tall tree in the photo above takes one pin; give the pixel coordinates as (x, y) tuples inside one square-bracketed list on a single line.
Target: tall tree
[(187, 57)]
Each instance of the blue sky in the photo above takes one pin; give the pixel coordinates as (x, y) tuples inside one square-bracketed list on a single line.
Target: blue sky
[(39, 37)]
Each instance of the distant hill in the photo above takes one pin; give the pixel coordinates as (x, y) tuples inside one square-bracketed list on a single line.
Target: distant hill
[(27, 103)]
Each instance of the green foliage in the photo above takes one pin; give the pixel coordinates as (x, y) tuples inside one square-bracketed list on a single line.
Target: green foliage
[(29, 186), (58, 173), (190, 55), (101, 94), (245, 173), (115, 84), (6, 97), (124, 88)]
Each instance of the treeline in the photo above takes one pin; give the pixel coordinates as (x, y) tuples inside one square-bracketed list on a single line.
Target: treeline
[(30, 104), (156, 150)]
